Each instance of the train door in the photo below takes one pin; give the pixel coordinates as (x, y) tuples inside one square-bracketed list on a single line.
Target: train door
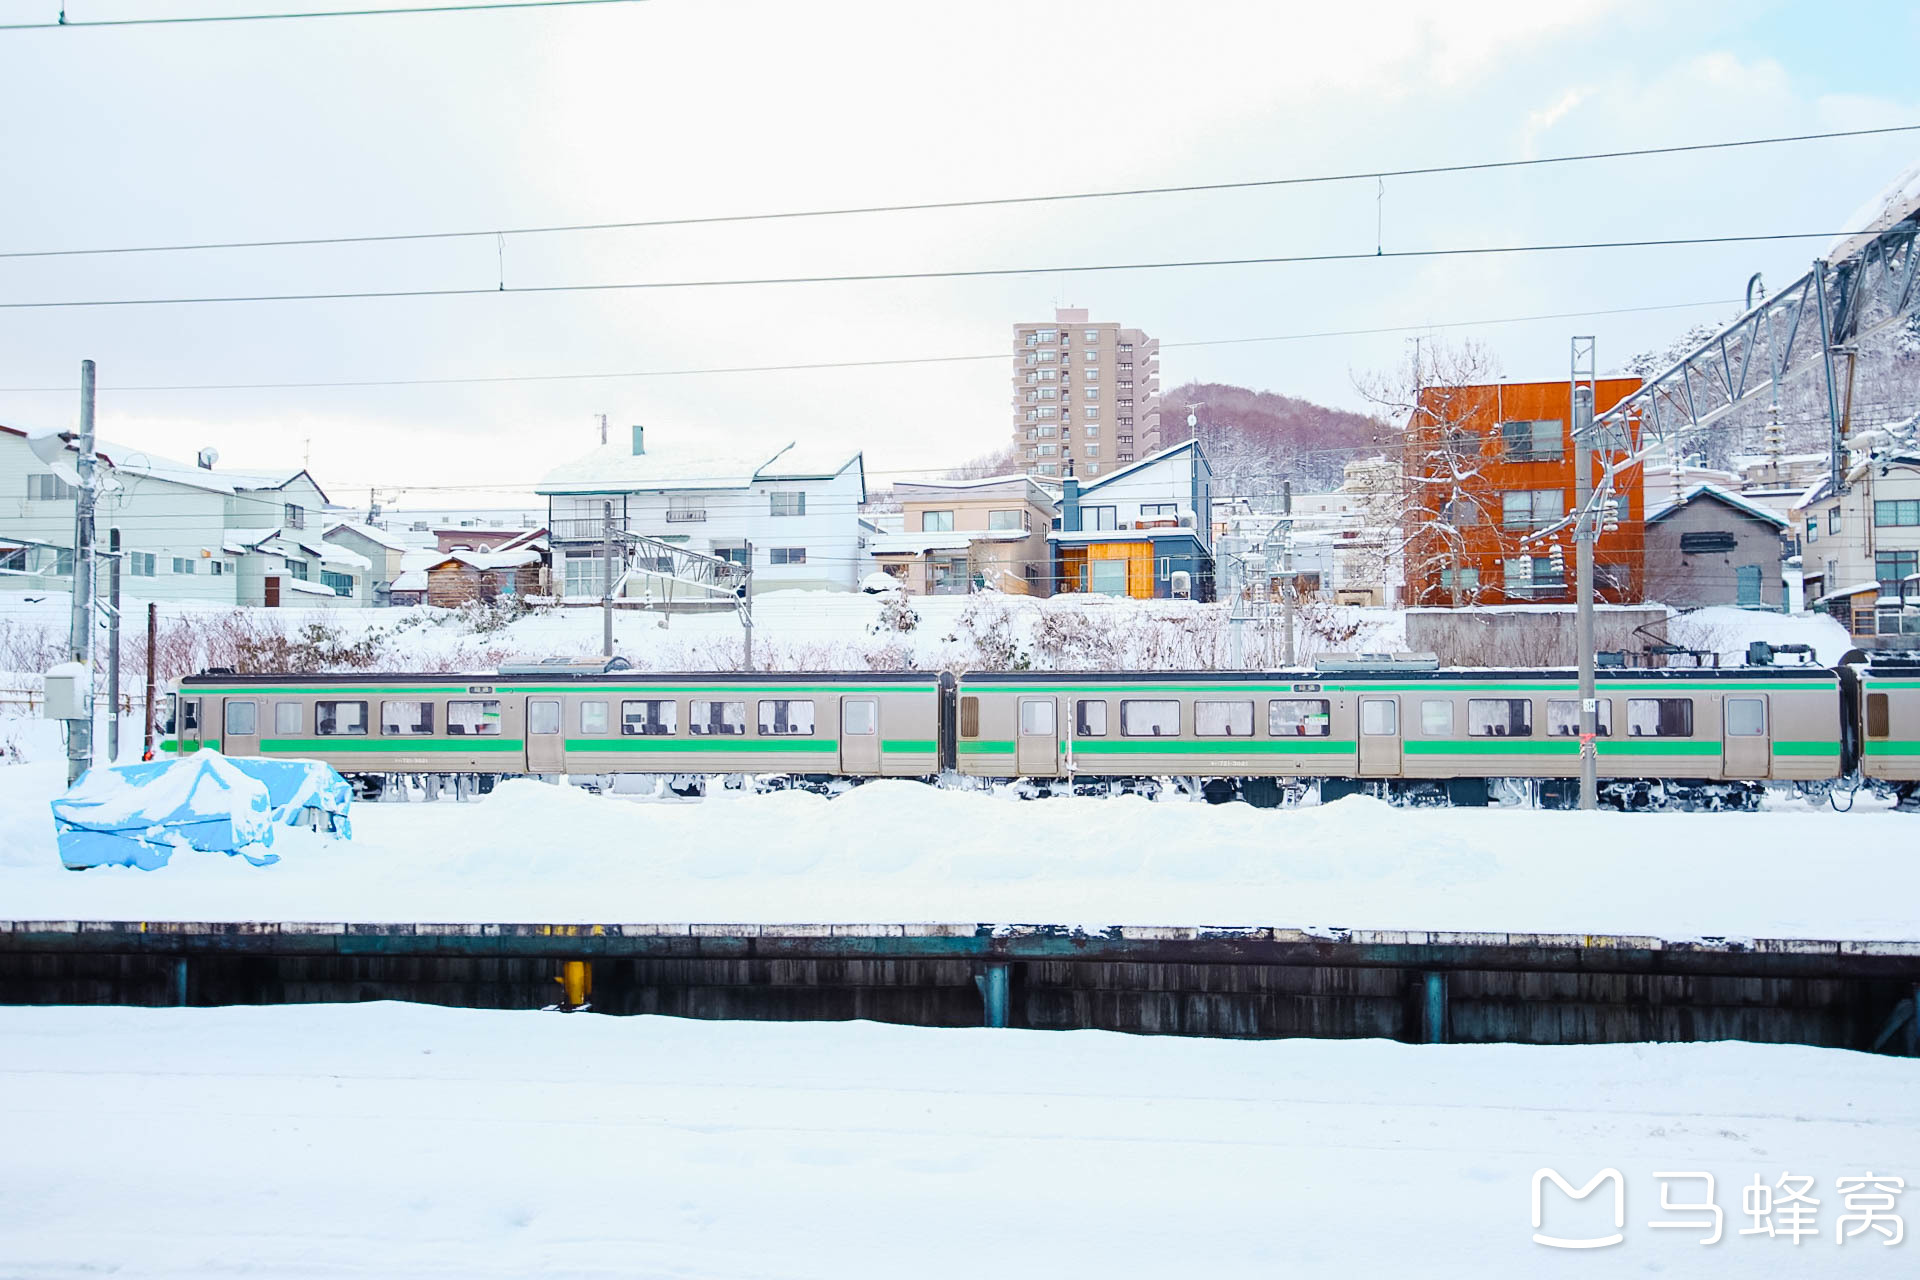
[(1747, 738), (860, 736), (1037, 749), (1379, 737), (546, 745), (240, 727), (188, 735)]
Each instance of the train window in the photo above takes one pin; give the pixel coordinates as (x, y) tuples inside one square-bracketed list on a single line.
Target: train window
[(190, 714), (243, 719), (1379, 716), (1659, 717), (543, 715), (1877, 726), (969, 717), (649, 717), (1563, 718), (1150, 719), (1436, 717), (858, 717), (709, 717), (1036, 716), (1299, 717), (1090, 718), (169, 710), (406, 717), (1499, 718), (289, 719), (786, 716), (1746, 717), (474, 717), (1223, 719), (340, 719), (593, 717)]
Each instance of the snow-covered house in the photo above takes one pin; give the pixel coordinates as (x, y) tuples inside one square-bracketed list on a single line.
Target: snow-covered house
[(1711, 546), (1128, 533), (384, 552), (188, 531), (959, 535), (1860, 548), (799, 510)]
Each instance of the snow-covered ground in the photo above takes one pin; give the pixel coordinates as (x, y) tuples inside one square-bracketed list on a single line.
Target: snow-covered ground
[(900, 852), (406, 1141)]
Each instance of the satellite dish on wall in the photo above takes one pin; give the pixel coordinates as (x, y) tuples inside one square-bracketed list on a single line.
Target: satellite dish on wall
[(207, 457)]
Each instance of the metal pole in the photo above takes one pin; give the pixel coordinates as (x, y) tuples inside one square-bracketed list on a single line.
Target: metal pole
[(746, 613), (153, 616), (1286, 575), (1583, 533), (606, 591), (1836, 451), (80, 732), (113, 648)]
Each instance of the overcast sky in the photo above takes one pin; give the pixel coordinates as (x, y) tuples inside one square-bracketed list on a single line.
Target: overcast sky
[(350, 126)]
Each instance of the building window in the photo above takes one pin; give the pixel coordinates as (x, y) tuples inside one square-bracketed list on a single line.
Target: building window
[(785, 717), (1048, 433), (341, 719), (1099, 518), (709, 718), (1534, 573), (936, 522), (1090, 335), (1093, 449), (1900, 511), (140, 564), (1048, 412), (586, 576), (181, 564), (649, 717), (1708, 541), (1047, 469), (1155, 719), (685, 510), (1659, 717), (1126, 347), (408, 718), (1008, 520), (787, 502), (48, 489), (1159, 511), (1889, 567), (342, 583), (1090, 718), (1531, 508), (1833, 519), (1747, 584), (1093, 393), (1093, 429), (474, 717), (1466, 579), (1049, 450), (1531, 441), (296, 516), (787, 555), (218, 567), (63, 561), (1499, 718), (297, 569)]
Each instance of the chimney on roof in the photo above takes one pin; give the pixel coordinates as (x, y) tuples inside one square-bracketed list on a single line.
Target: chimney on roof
[(639, 441), (1069, 504)]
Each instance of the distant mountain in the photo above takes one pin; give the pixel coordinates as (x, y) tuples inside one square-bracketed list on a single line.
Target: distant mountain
[(1256, 439)]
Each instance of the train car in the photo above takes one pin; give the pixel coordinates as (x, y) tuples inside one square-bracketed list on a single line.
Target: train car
[(1886, 701), (1695, 737), (686, 727)]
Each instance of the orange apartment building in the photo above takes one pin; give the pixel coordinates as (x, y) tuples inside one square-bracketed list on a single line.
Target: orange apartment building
[(1488, 470)]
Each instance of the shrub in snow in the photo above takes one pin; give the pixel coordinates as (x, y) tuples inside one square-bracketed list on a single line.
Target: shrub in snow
[(897, 615)]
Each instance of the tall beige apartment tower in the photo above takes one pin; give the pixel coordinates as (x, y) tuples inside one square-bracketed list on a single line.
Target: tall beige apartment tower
[(1086, 392)]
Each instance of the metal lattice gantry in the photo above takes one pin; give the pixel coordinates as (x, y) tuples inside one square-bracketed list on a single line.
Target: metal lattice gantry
[(1867, 284)]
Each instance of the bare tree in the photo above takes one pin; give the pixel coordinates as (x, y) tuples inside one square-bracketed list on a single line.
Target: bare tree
[(1429, 399), (1000, 462)]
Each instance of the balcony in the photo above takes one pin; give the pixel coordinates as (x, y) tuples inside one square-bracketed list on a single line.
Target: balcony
[(687, 515), (590, 529)]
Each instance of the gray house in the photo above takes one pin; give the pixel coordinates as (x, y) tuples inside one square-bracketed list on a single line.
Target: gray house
[(1711, 546)]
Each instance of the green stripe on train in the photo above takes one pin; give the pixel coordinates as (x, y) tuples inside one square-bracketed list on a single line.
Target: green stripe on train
[(987, 747), (399, 744), (1892, 747), (909, 746), (700, 745), (1560, 747), (211, 744), (1199, 688), (460, 688), (1216, 746), (1807, 749)]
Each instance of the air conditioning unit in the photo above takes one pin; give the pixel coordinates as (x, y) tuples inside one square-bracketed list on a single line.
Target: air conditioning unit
[(1181, 587)]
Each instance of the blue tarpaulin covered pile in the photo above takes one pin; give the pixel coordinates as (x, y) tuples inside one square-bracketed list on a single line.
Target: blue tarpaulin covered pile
[(137, 815)]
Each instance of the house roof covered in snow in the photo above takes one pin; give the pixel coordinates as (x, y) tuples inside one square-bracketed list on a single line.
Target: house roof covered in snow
[(486, 560), (1151, 459), (411, 580), (1726, 497), (372, 533)]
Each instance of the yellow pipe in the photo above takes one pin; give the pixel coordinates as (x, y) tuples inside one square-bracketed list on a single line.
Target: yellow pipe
[(576, 983)]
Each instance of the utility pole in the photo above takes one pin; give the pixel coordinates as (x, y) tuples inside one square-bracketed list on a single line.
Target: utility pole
[(1585, 526), (113, 647), (1286, 573), (153, 618), (606, 592), (80, 641), (746, 612)]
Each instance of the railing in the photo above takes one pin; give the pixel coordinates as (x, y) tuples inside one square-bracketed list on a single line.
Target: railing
[(687, 516), (593, 529)]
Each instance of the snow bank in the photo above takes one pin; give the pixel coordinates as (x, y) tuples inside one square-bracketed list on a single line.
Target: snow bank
[(1728, 631), (140, 815), (408, 1141), (903, 852)]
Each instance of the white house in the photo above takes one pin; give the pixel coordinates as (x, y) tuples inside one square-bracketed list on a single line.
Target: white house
[(188, 532), (1860, 549), (799, 510)]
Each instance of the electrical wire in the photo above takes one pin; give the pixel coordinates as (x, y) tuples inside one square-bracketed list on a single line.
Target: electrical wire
[(860, 364), (974, 273), (65, 22), (980, 203)]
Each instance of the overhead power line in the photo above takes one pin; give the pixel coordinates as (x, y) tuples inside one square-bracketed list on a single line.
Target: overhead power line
[(188, 19), (975, 273), (936, 205), (864, 364)]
